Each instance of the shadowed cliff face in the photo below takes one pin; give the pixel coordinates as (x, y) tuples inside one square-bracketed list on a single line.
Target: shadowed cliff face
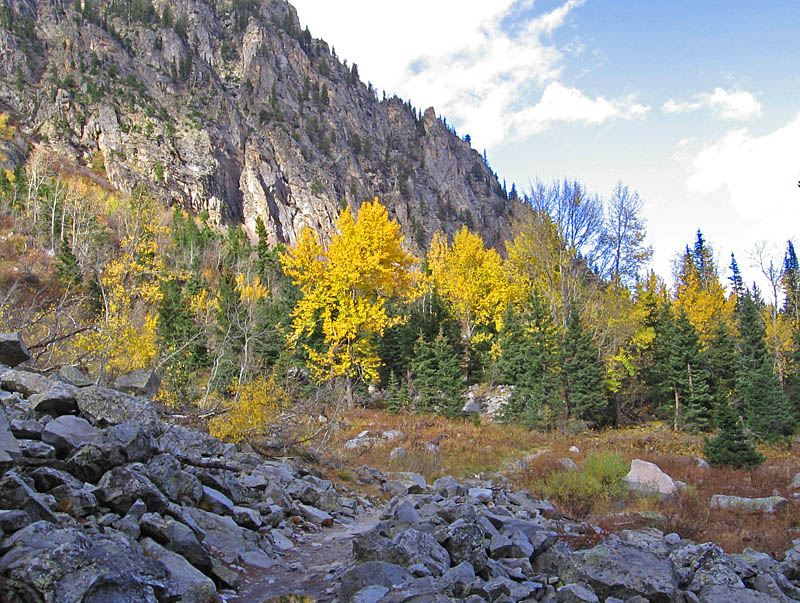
[(229, 107)]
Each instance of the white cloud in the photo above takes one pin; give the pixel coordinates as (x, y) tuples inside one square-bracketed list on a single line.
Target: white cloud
[(734, 105), (758, 174), (475, 71), (561, 103)]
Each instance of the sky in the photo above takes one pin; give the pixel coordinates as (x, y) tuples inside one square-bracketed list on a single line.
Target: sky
[(694, 104)]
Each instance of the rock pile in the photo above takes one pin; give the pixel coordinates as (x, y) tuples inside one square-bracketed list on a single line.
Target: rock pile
[(102, 501), (475, 542)]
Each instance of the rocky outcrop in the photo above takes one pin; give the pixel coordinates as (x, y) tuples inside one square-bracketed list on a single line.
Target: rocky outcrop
[(127, 508), (234, 110)]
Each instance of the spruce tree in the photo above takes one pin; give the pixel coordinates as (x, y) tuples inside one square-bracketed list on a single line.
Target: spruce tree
[(437, 376), (582, 373), (758, 390), (731, 446), (68, 270), (529, 361)]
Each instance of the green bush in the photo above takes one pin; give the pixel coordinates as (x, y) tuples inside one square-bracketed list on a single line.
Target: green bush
[(579, 491)]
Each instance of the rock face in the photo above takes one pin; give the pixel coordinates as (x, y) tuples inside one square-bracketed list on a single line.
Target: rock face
[(240, 113)]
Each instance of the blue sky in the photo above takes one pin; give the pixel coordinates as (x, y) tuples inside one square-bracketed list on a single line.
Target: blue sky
[(694, 104)]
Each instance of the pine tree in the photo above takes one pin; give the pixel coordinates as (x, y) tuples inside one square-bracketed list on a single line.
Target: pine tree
[(68, 270), (437, 376), (737, 284), (758, 389), (529, 361), (721, 358), (731, 446), (791, 284), (679, 373), (582, 373)]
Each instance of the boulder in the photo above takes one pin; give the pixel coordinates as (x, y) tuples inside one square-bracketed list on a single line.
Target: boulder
[(17, 494), (47, 478), (576, 593), (247, 518), (143, 383), (26, 429), (79, 503), (396, 455), (89, 463), (120, 487), (12, 349), (34, 449), (48, 563), (68, 432), (732, 594), (404, 482), (73, 376), (568, 464), (24, 382), (178, 538), (105, 407), (616, 568), (13, 520), (314, 515), (185, 583), (458, 579), (233, 544), (795, 483), (464, 542), (182, 441), (10, 451), (648, 478), (769, 504), (216, 502), (411, 546), (56, 401), (179, 486), (129, 442), (700, 566), (372, 573), (448, 487)]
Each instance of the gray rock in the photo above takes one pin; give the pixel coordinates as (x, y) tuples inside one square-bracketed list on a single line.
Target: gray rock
[(405, 482), (10, 451), (615, 568), (73, 376), (11, 521), (232, 543), (411, 546), (182, 441), (372, 545), (701, 464), (448, 487), (471, 407), (89, 463), (702, 565), (47, 563), (464, 542), (568, 464), (370, 594), (314, 515), (24, 382), (769, 504), (12, 349), (26, 429), (56, 401), (179, 486), (247, 518), (215, 502), (185, 582), (129, 442), (648, 478), (120, 487), (795, 483), (482, 495), (762, 562), (143, 383), (47, 478), (78, 503), (178, 538), (105, 407), (458, 579), (576, 593), (397, 454), (732, 594), (68, 432), (372, 573), (17, 494)]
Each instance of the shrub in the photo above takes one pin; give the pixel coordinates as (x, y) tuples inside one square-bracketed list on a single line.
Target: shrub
[(256, 405), (579, 491)]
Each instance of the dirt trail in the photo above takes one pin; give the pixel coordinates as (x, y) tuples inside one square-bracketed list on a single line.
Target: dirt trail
[(313, 568)]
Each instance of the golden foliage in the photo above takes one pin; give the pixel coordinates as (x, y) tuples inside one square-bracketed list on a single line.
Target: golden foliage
[(702, 298), (345, 289), (255, 406), (471, 278)]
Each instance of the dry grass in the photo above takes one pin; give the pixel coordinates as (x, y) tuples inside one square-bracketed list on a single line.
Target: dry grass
[(493, 448)]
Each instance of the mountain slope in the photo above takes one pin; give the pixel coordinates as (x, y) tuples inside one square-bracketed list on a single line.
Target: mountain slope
[(228, 106)]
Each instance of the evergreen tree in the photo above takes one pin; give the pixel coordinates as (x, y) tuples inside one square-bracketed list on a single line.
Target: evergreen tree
[(679, 374), (791, 285), (758, 389), (582, 373), (721, 358), (737, 284), (529, 361), (229, 336), (68, 270), (437, 376), (731, 446)]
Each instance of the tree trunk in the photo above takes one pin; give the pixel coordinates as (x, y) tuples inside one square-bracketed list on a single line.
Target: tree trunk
[(677, 408)]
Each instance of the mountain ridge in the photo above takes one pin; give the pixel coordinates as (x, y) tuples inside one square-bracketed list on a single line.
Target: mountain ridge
[(229, 107)]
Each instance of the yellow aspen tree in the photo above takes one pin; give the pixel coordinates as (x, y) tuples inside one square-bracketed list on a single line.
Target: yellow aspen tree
[(471, 279), (345, 289)]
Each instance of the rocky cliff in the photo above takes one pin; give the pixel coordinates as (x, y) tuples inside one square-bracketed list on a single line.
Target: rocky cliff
[(228, 106)]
